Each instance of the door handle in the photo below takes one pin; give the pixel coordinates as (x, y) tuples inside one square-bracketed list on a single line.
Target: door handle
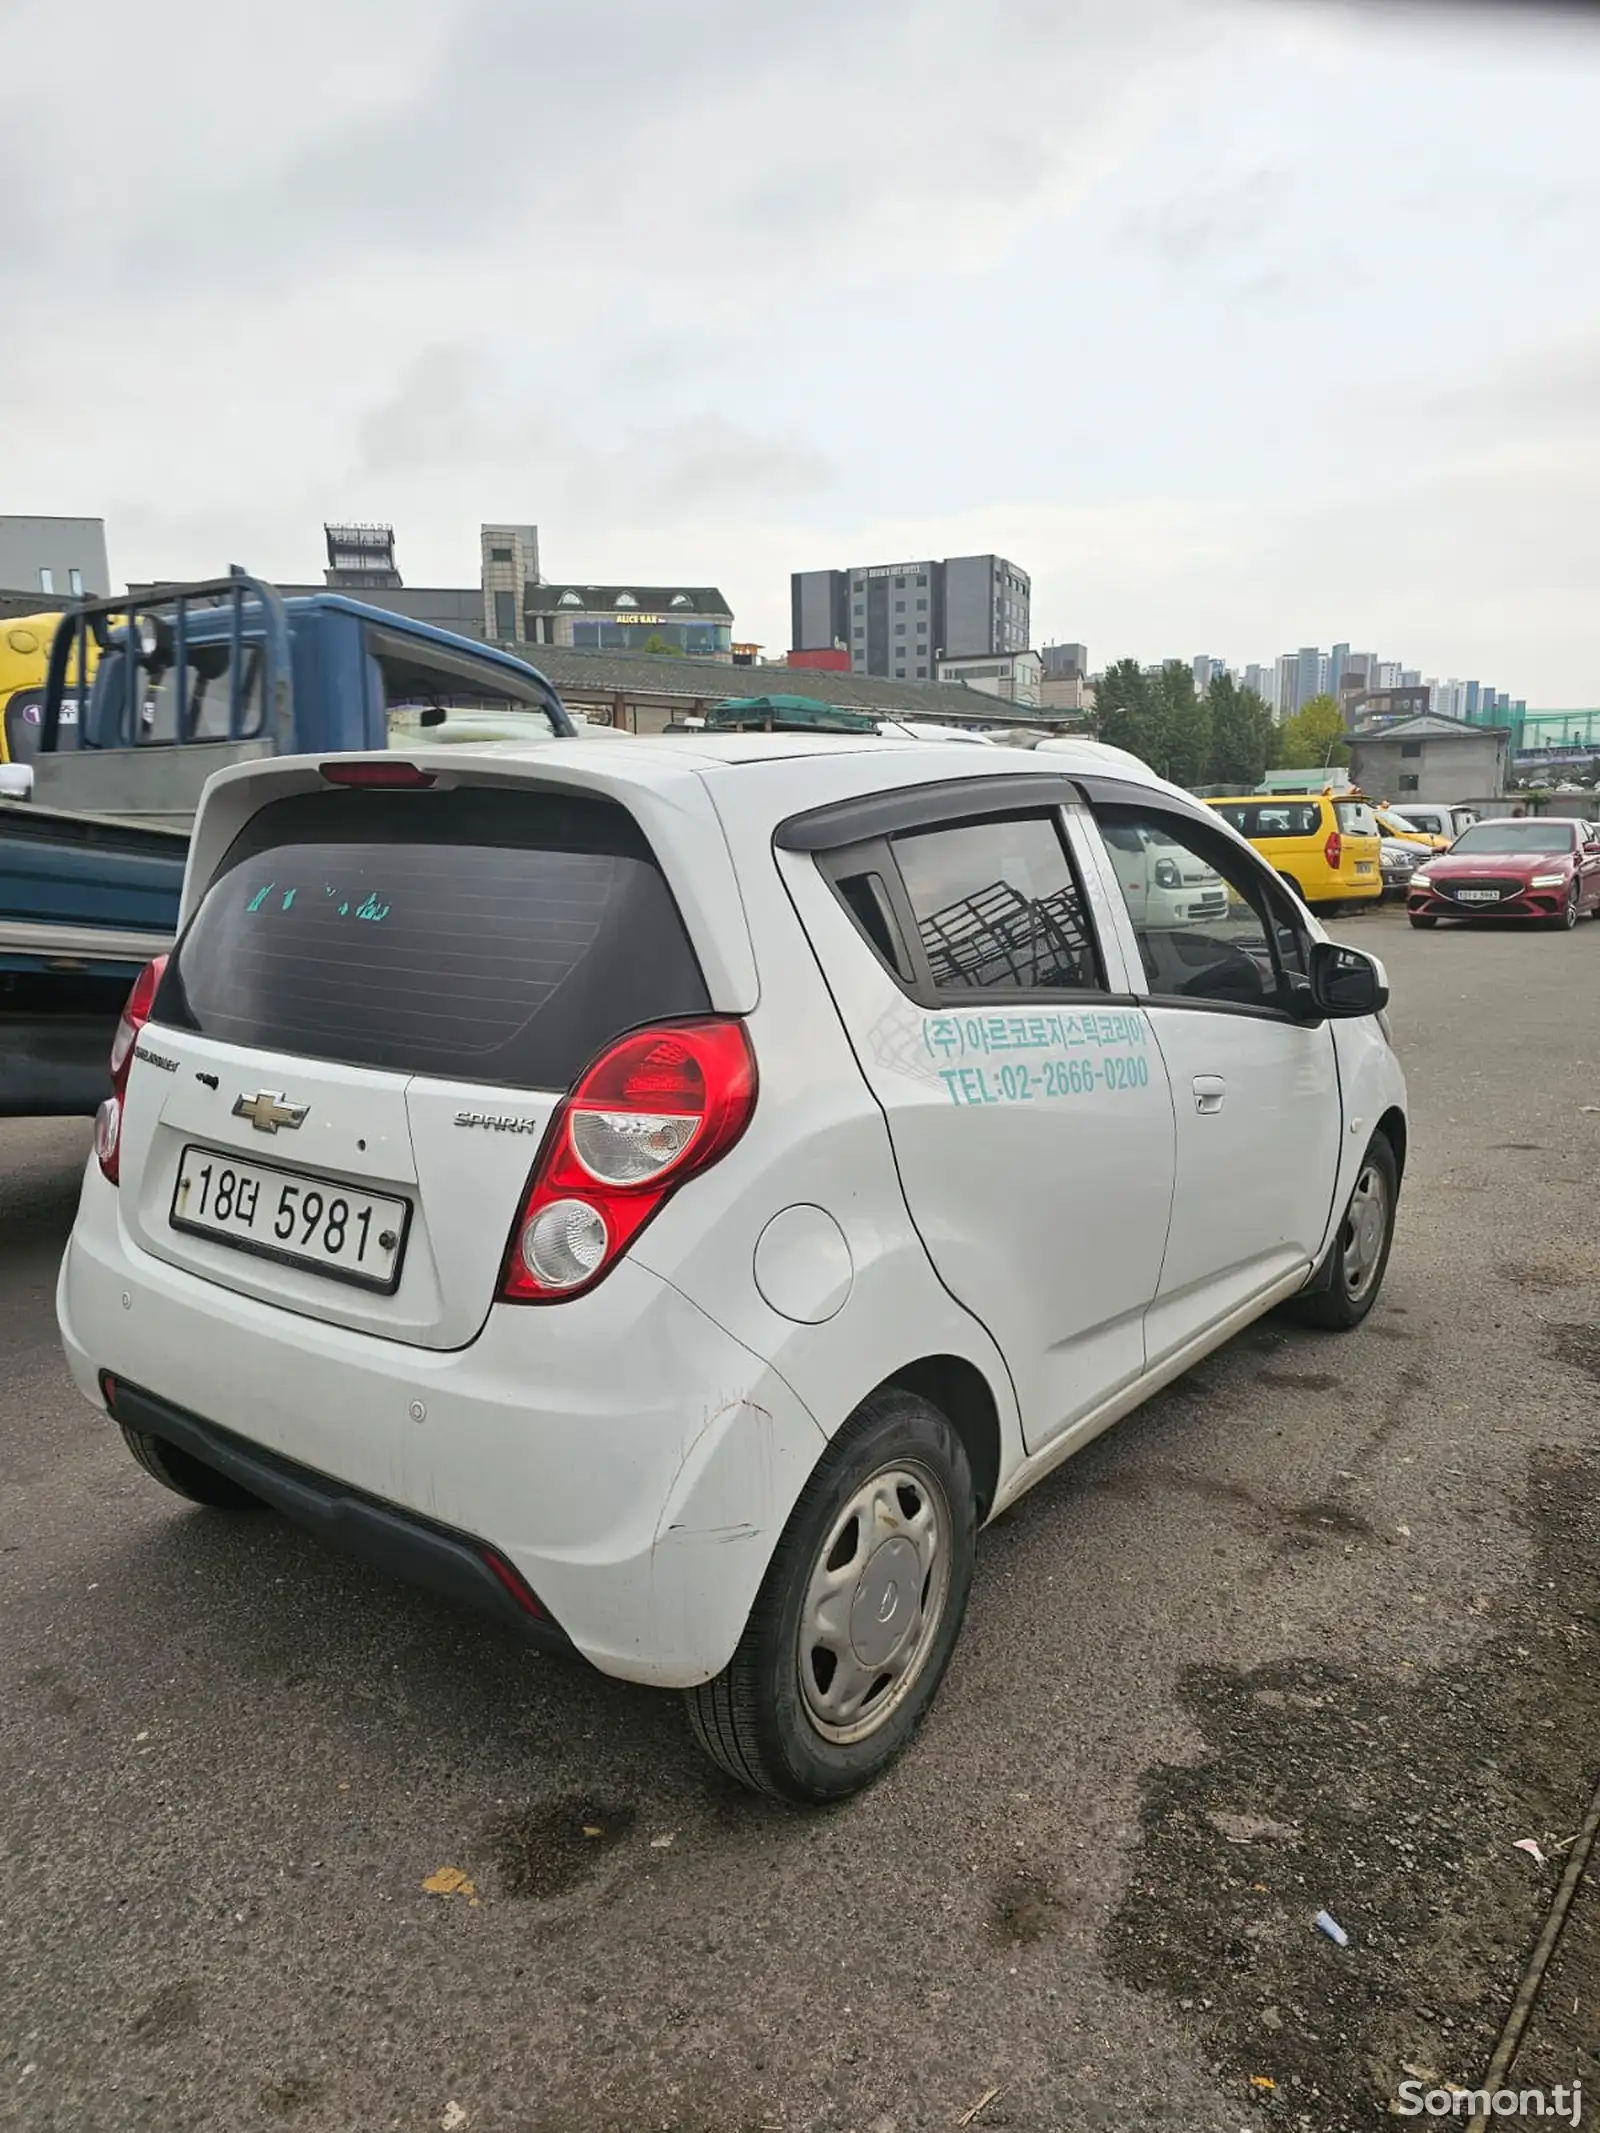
[(1209, 1093)]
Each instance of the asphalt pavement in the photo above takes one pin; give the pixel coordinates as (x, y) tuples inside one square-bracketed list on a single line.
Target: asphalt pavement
[(1315, 1630)]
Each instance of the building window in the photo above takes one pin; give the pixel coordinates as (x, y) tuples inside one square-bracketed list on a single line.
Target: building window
[(899, 629), (922, 673), (921, 604), (861, 607), (75, 583), (899, 607), (899, 585), (922, 629), (858, 585), (922, 577), (47, 580), (625, 600), (680, 600), (1411, 748), (569, 599), (505, 614), (1408, 781), (501, 555)]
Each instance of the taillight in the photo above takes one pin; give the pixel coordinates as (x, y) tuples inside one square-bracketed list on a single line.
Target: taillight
[(1333, 851), (108, 1119), (654, 1109)]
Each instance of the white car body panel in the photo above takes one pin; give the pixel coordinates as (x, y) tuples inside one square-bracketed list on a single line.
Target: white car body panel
[(635, 1451)]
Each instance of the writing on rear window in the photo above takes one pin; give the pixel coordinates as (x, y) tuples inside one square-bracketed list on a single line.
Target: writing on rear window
[(367, 907)]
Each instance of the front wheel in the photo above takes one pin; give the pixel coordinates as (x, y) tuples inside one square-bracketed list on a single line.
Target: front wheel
[(858, 1613), (1422, 924), (1569, 911), (1359, 1256)]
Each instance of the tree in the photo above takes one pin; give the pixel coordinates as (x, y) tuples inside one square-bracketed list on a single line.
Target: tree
[(657, 643), (1313, 738), (1184, 717), (1244, 734), (1123, 713)]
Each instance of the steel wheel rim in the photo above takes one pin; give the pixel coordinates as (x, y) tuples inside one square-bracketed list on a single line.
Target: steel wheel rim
[(1366, 1224), (874, 1602), (1570, 917)]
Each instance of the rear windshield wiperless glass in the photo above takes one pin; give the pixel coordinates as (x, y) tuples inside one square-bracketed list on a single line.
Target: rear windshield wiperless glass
[(482, 936)]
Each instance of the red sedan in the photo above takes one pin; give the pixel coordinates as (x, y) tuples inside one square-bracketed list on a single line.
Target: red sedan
[(1520, 868)]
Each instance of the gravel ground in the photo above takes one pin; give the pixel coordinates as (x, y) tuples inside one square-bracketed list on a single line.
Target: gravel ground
[(1315, 1629)]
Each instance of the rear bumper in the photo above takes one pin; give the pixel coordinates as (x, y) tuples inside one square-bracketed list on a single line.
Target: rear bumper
[(632, 1462), (397, 1542)]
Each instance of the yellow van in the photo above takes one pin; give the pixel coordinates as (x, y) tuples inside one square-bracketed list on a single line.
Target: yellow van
[(1325, 845)]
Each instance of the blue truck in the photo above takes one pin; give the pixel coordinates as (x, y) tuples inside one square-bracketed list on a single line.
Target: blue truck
[(144, 700)]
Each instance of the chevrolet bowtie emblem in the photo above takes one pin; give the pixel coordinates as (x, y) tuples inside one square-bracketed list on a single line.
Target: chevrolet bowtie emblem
[(267, 1111)]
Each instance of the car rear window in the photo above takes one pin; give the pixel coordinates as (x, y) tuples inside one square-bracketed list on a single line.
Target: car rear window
[(488, 936), (1356, 819), (1276, 818)]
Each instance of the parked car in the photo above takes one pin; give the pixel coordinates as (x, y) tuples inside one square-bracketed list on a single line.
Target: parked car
[(1326, 848), (1548, 871), (1398, 859), (1392, 825), (1163, 884), (1439, 819), (674, 1195)]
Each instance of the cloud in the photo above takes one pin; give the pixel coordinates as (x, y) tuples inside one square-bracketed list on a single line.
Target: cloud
[(1237, 324)]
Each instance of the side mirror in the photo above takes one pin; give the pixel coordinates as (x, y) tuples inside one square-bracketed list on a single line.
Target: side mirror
[(1345, 982)]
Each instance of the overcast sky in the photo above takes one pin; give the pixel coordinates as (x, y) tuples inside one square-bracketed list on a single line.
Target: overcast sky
[(1240, 324)]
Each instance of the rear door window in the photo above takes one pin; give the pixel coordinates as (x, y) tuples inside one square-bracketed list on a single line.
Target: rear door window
[(485, 936), (1276, 818), (998, 906)]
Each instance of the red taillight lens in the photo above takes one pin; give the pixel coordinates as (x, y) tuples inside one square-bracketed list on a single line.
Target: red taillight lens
[(385, 776), (654, 1109), (108, 1119), (1333, 850)]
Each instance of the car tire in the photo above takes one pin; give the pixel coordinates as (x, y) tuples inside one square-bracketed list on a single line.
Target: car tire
[(1290, 883), (801, 1712), (1352, 1274), (1423, 925), (187, 1476), (1569, 911)]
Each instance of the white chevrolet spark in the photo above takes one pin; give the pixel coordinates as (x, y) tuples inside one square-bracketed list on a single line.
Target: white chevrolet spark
[(674, 1195)]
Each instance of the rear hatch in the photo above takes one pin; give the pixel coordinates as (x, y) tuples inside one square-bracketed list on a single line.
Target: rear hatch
[(361, 1037), (1360, 843)]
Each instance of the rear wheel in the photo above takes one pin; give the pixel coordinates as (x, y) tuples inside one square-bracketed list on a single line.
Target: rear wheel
[(1360, 1254), (1422, 923), (1290, 883), (858, 1613), (185, 1475)]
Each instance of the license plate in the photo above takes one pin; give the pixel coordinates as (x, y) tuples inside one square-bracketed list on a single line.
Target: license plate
[(286, 1215), (1478, 896)]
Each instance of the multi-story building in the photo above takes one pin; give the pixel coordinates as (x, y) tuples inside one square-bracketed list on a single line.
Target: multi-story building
[(1207, 665), (900, 619), (692, 619), (54, 558), (1264, 681), (1016, 676), (1065, 662), (361, 558)]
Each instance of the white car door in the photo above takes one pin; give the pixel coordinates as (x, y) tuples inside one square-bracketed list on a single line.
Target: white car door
[(1025, 1097), (1255, 1087)]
